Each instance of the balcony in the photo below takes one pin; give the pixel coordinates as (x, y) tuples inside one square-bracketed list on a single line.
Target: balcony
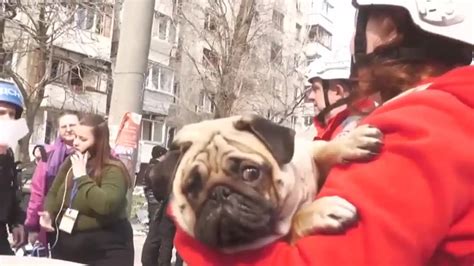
[(89, 32), (315, 50), (61, 97), (164, 34), (157, 102), (320, 19), (159, 89)]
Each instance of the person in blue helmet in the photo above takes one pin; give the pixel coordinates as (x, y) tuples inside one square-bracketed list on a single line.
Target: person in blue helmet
[(11, 214)]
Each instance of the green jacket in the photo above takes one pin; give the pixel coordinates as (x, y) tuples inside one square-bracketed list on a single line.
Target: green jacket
[(98, 205)]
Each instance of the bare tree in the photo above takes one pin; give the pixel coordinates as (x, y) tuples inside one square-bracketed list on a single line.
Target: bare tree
[(29, 32), (243, 66)]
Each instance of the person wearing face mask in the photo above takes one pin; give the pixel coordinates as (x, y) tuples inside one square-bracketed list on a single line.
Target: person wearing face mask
[(86, 206), (414, 201), (11, 214), (45, 173)]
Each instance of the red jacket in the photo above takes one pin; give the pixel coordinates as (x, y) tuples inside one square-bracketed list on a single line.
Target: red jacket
[(415, 201), (345, 120)]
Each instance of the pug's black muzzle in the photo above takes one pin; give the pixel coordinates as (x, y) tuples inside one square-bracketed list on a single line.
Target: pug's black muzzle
[(229, 219)]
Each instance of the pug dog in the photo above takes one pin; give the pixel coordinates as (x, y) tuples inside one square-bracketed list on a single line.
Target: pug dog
[(243, 182)]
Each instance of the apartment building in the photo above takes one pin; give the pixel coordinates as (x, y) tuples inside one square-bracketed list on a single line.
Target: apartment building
[(320, 16), (274, 70), (64, 46)]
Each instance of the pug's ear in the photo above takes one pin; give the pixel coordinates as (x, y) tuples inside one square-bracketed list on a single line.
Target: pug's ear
[(161, 175), (278, 139)]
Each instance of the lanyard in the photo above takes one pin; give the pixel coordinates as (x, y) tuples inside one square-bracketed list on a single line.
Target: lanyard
[(73, 193)]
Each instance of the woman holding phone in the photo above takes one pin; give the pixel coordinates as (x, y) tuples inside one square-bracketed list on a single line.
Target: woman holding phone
[(86, 205)]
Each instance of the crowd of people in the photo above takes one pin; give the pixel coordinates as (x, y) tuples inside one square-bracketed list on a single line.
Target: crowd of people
[(409, 77), (77, 205)]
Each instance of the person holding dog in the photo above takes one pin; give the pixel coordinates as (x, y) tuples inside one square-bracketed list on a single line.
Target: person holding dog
[(414, 201)]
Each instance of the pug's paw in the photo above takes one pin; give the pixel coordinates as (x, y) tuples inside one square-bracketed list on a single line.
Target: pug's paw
[(328, 215), (362, 143)]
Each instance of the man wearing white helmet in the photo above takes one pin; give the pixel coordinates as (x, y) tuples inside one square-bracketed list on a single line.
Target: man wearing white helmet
[(415, 200), (11, 215), (330, 90)]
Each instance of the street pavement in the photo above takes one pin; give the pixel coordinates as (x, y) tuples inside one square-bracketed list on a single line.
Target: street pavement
[(139, 236)]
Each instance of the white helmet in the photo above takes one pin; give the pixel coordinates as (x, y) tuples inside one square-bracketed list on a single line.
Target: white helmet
[(329, 69), (453, 19)]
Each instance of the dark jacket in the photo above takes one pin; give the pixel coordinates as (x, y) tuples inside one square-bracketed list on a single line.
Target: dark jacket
[(150, 197), (10, 194)]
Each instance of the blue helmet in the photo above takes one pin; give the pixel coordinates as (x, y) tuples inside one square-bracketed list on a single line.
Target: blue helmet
[(10, 93)]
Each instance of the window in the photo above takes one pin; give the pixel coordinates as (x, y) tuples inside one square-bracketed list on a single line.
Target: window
[(92, 79), (296, 94), (278, 90), (298, 6), (103, 24), (308, 121), (56, 69), (171, 133), (210, 59), (298, 32), (161, 27), (84, 18), (5, 60), (275, 53), (160, 78), (176, 6), (49, 134), (210, 21), (147, 130), (152, 129), (319, 34), (206, 104), (293, 121), (296, 60), (61, 72), (277, 19), (326, 8), (176, 92), (94, 18), (75, 78)]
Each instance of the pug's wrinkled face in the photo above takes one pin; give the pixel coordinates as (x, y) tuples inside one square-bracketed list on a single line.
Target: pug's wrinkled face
[(225, 193)]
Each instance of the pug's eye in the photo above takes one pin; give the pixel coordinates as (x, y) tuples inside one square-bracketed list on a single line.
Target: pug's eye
[(250, 173)]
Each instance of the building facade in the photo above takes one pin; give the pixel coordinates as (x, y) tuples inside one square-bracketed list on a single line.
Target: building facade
[(287, 36), (320, 16), (60, 54)]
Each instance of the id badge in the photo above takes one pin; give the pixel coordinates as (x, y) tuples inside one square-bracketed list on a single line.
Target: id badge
[(68, 220)]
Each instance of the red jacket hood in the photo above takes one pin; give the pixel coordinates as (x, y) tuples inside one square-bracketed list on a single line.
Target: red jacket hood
[(454, 82)]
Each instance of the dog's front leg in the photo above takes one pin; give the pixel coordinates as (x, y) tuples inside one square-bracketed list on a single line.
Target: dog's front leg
[(361, 143), (324, 215)]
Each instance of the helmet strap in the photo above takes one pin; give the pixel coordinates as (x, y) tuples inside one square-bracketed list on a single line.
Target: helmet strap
[(325, 85), (321, 117)]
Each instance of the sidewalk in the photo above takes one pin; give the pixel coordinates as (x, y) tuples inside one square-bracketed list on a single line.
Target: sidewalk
[(139, 236)]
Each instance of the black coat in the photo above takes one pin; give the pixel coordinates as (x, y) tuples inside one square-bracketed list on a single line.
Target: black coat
[(10, 194)]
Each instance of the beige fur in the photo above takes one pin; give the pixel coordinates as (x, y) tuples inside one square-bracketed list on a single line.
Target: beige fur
[(295, 183)]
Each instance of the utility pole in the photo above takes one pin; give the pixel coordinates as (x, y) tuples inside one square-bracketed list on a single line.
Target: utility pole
[(129, 75), (132, 60)]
